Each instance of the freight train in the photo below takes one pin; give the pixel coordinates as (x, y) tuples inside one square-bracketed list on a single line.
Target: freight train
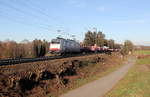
[(65, 46)]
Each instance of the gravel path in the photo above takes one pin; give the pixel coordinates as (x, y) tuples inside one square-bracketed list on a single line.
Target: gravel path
[(101, 86)]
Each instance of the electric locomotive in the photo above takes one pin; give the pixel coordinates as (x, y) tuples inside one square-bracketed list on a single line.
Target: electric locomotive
[(63, 46)]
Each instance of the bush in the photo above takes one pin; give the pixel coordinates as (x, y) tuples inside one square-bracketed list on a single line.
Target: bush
[(40, 48), (127, 47)]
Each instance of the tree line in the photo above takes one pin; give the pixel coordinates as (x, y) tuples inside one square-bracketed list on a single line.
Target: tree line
[(38, 48), (12, 49), (142, 47), (98, 38)]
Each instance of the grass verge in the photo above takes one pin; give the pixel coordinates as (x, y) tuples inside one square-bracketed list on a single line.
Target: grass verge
[(142, 52), (136, 83)]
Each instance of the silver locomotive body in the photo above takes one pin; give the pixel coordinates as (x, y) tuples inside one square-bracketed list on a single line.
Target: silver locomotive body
[(63, 46)]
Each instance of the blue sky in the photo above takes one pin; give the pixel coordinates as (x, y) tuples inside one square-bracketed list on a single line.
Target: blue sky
[(118, 19)]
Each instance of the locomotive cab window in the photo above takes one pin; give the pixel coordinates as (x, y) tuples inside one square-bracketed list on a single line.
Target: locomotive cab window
[(55, 42)]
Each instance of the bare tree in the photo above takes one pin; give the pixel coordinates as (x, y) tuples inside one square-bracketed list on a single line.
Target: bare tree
[(100, 39), (111, 44), (127, 47)]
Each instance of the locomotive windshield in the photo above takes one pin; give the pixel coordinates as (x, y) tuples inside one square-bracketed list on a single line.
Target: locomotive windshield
[(55, 41)]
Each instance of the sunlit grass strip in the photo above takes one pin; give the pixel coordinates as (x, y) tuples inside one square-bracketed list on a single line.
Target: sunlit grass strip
[(136, 83), (142, 52)]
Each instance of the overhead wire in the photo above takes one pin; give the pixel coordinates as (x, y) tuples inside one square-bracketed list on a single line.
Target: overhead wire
[(41, 10), (37, 9), (7, 17), (34, 7), (23, 12)]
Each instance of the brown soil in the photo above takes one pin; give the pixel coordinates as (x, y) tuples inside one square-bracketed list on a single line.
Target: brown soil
[(39, 79), (143, 56)]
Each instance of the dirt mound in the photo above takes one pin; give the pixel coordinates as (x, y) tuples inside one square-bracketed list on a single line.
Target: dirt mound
[(39, 79)]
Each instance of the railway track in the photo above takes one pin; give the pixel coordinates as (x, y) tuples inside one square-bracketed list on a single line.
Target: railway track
[(27, 60)]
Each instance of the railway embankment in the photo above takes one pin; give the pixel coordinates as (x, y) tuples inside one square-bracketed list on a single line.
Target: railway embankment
[(54, 77)]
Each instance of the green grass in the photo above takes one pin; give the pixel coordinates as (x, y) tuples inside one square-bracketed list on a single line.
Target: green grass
[(136, 83), (142, 52)]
